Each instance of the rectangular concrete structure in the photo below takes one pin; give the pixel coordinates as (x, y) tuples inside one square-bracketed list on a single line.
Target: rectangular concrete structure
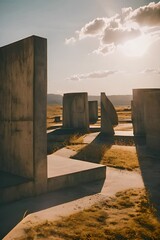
[(23, 98), (65, 172), (93, 111), (152, 120), (75, 111), (109, 116), (138, 104)]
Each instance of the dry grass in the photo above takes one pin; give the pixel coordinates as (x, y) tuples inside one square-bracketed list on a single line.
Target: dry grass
[(121, 157), (69, 141), (53, 111), (128, 216), (77, 147), (76, 139), (124, 112), (90, 153)]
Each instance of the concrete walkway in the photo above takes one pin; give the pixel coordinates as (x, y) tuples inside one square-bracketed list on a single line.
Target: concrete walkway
[(64, 202), (52, 206)]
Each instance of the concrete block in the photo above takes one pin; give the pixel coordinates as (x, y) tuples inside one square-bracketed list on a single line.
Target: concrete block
[(75, 111), (152, 120), (93, 111), (23, 97), (64, 172), (109, 116), (139, 99)]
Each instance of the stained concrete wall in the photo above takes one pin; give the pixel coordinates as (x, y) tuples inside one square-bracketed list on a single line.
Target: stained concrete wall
[(139, 99), (75, 111), (109, 116), (23, 92), (152, 120), (93, 111)]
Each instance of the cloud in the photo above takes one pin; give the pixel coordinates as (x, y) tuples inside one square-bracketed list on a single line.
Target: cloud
[(119, 35), (92, 75), (151, 71), (91, 29), (148, 15), (105, 49), (121, 28), (73, 39)]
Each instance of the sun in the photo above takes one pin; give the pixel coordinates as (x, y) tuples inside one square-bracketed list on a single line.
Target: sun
[(137, 47)]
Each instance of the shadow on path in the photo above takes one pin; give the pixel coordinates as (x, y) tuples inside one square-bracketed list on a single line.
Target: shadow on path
[(149, 162), (11, 214), (150, 169), (95, 150), (58, 138)]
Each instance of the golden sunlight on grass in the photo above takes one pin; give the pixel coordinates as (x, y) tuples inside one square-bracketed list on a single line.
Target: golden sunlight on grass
[(91, 153), (53, 111), (128, 215), (76, 139), (124, 113), (123, 157)]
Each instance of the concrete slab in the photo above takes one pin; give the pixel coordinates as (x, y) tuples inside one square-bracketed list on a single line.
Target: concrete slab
[(66, 172), (90, 137), (70, 201), (124, 133), (65, 152), (124, 127), (58, 166)]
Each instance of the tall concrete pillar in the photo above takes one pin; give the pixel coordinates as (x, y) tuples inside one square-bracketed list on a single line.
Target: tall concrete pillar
[(93, 111), (75, 111), (152, 120), (23, 98), (109, 116), (139, 98)]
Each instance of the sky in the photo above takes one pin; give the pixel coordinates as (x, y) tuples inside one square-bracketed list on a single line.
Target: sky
[(93, 46)]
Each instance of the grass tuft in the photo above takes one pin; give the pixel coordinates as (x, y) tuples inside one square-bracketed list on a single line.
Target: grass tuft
[(120, 217)]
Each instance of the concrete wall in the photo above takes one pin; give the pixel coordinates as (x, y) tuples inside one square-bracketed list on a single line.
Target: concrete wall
[(139, 98), (75, 111), (109, 116), (93, 111), (152, 120), (23, 91)]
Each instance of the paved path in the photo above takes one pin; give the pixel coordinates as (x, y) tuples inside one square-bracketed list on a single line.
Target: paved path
[(64, 202), (52, 206)]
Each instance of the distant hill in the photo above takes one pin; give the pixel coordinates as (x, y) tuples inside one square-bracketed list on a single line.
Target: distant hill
[(117, 100), (54, 99), (120, 100)]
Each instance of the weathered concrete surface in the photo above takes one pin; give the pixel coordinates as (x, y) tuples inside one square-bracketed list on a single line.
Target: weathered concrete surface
[(139, 99), (23, 91), (65, 202), (109, 116), (75, 111), (93, 111), (152, 120), (65, 152), (66, 172)]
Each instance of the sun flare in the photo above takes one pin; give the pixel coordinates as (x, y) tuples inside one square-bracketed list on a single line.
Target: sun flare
[(136, 47)]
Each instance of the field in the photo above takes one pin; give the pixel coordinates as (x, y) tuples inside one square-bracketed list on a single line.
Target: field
[(52, 112), (127, 215), (124, 113)]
